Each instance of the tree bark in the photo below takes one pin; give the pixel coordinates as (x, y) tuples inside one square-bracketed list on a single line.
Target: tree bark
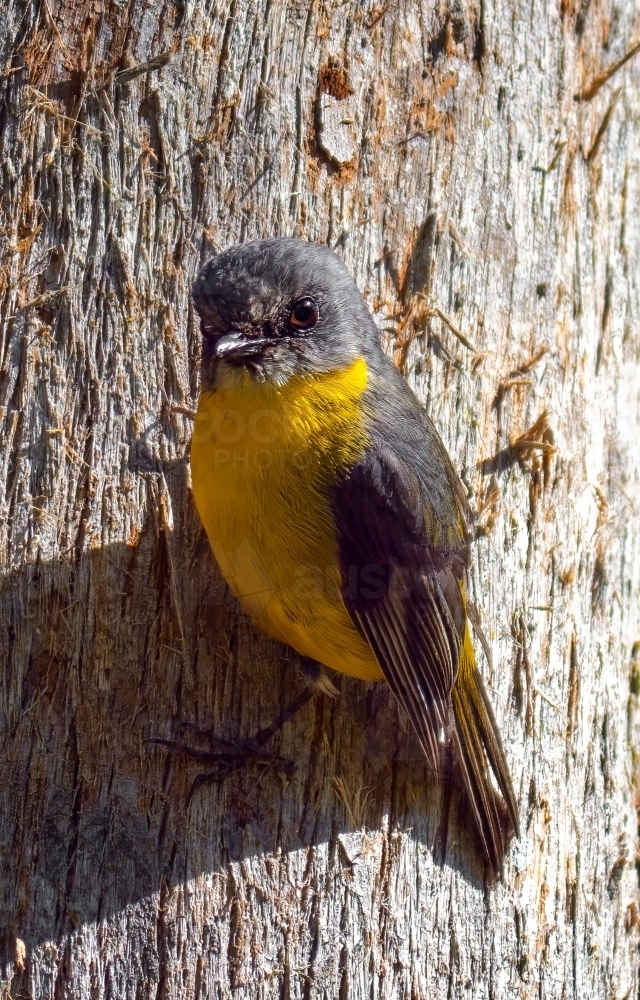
[(479, 175)]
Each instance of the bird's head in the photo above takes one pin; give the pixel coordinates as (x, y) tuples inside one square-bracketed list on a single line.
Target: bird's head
[(277, 308)]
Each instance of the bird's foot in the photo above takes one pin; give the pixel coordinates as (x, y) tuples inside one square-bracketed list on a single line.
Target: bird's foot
[(226, 757)]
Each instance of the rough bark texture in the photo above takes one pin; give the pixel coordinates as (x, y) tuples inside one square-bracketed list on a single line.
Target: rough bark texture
[(440, 148)]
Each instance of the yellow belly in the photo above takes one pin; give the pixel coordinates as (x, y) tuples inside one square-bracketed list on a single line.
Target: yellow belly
[(263, 458)]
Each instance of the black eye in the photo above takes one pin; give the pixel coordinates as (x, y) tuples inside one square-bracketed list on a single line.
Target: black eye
[(304, 314)]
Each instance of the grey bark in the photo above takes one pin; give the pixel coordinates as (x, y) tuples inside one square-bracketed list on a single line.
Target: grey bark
[(492, 221)]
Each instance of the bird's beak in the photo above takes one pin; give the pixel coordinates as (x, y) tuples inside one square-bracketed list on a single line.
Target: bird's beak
[(236, 344)]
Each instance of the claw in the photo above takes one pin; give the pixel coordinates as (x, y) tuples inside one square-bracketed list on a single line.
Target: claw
[(227, 767), (229, 757)]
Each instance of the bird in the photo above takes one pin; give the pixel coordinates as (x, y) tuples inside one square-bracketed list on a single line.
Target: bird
[(333, 508)]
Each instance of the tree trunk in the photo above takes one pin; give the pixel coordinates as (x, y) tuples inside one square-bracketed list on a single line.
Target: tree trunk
[(484, 191)]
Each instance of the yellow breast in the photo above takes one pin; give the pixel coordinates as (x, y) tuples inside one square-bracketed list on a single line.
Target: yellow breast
[(263, 461)]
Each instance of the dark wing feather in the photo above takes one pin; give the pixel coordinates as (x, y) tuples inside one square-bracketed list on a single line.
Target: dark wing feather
[(402, 518), (401, 592)]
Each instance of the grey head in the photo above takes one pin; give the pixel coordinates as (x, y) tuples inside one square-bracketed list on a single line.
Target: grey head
[(280, 307)]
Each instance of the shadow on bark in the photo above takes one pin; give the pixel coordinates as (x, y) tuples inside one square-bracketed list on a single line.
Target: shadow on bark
[(131, 642)]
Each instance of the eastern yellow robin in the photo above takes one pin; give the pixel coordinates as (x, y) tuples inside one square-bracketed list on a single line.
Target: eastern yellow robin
[(332, 506)]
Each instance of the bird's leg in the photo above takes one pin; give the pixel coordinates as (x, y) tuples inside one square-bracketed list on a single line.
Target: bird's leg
[(317, 677), (227, 756)]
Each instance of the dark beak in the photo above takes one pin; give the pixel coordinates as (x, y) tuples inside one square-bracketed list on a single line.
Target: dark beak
[(236, 344)]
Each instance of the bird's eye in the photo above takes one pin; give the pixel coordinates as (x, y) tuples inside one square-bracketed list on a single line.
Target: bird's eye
[(304, 314), (207, 332)]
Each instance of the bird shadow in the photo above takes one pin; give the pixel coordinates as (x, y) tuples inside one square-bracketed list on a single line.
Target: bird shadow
[(138, 641)]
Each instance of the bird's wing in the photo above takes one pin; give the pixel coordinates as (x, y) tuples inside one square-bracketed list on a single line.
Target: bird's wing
[(402, 589)]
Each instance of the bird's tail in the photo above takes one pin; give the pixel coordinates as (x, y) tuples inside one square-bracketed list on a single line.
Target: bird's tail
[(478, 745)]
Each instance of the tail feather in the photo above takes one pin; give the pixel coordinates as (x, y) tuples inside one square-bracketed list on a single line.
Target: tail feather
[(478, 744)]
